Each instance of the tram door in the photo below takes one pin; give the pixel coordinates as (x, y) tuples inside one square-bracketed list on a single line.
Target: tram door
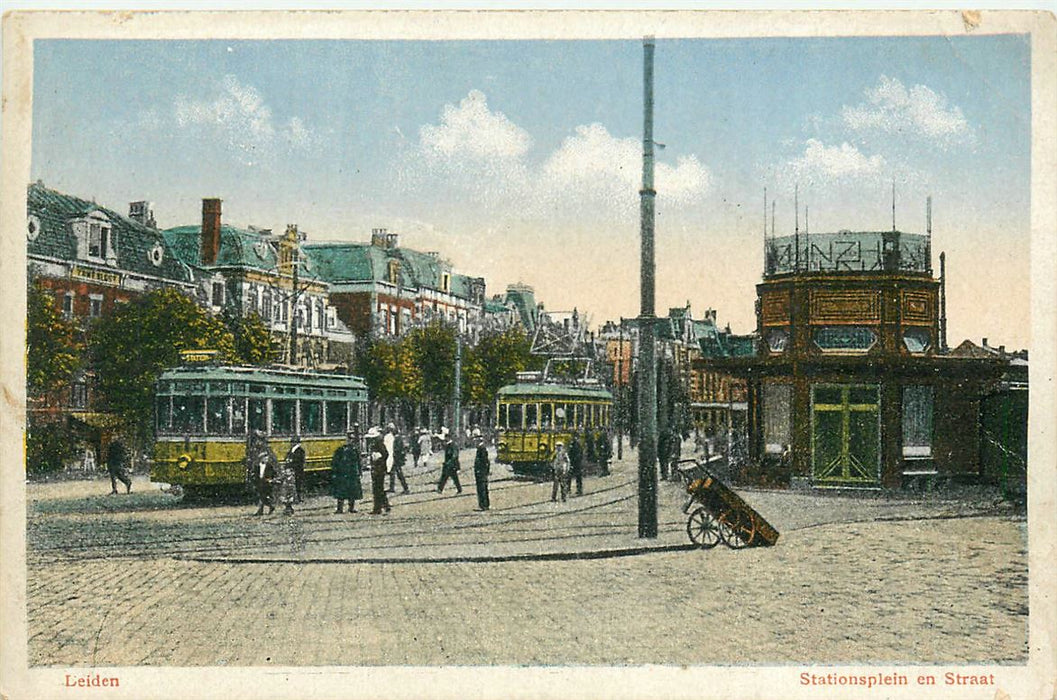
[(846, 434)]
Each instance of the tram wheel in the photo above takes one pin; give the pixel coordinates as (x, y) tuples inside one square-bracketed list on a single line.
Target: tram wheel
[(736, 528), (703, 529)]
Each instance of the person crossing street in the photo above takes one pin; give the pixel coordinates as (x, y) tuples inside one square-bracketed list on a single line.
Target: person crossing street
[(345, 482), (481, 466), (398, 458), (379, 460), (450, 470)]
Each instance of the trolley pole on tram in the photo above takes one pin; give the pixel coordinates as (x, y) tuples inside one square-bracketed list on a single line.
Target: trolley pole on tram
[(647, 356)]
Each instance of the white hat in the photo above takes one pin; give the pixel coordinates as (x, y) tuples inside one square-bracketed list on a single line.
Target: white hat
[(373, 432)]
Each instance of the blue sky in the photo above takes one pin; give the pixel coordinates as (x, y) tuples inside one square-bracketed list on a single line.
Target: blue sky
[(519, 160)]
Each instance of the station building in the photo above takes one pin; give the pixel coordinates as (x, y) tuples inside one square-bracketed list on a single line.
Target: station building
[(851, 384)]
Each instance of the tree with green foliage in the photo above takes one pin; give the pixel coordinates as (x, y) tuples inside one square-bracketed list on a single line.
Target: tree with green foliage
[(254, 344), (130, 348), (53, 345), (433, 349), (494, 362)]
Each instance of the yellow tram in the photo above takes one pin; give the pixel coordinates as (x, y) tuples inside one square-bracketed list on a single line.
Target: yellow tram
[(204, 414), (532, 417)]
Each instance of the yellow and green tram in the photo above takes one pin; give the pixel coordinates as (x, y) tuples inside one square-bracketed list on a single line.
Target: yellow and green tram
[(203, 416), (531, 418)]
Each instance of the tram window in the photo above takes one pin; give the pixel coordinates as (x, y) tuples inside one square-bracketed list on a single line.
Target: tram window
[(546, 410), (336, 419), (217, 415), (559, 415), (515, 416), (578, 410), (238, 416), (218, 388), (187, 414), (238, 388), (503, 415), (258, 415), (283, 416), (311, 417), (530, 416), (257, 388), (163, 412)]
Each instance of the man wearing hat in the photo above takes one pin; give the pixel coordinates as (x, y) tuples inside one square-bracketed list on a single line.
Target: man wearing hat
[(450, 470), (560, 472), (345, 482), (481, 466), (398, 457), (379, 460)]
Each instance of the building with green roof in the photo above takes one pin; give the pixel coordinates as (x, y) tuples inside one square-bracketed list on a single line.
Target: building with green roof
[(91, 259), (385, 289), (253, 271)]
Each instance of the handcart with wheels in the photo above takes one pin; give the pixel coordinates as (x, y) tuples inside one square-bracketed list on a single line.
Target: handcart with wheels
[(717, 514)]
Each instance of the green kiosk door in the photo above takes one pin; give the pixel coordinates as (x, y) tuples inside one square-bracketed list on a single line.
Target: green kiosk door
[(845, 435)]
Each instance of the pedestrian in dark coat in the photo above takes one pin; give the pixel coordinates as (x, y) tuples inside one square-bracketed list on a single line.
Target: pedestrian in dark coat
[(576, 463), (286, 483), (399, 460), (296, 458), (255, 444), (605, 451), (663, 456), (264, 474), (590, 453), (379, 460), (117, 465), (450, 470), (345, 484), (481, 467), (416, 448)]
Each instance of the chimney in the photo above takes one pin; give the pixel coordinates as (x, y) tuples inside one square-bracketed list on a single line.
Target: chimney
[(143, 213), (985, 342), (379, 237), (392, 240), (210, 231)]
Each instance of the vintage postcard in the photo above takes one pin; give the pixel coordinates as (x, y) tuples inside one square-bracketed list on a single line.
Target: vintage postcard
[(529, 354)]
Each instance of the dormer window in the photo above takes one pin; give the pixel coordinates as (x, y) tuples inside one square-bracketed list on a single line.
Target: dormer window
[(394, 272), (445, 282), (95, 239)]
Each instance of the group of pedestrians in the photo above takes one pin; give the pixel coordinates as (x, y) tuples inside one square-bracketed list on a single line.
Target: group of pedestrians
[(282, 481), (274, 480), (567, 466)]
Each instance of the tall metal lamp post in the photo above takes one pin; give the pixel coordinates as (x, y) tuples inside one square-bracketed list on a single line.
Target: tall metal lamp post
[(647, 363)]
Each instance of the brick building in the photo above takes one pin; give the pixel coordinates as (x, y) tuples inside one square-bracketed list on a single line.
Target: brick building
[(385, 289), (91, 259), (252, 271)]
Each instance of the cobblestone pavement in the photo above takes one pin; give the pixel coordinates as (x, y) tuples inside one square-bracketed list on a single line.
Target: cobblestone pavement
[(143, 579)]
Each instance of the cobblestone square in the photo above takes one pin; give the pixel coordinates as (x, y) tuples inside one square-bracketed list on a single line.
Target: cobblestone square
[(147, 580)]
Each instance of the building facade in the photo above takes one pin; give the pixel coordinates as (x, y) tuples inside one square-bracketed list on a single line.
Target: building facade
[(851, 385), (93, 259), (384, 289), (253, 271)]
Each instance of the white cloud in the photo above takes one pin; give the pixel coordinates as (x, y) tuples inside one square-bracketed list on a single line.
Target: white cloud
[(595, 165), (238, 115), (821, 164), (893, 109), (592, 173), (471, 131)]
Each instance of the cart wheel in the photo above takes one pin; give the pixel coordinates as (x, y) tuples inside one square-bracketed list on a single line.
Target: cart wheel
[(703, 529), (736, 528)]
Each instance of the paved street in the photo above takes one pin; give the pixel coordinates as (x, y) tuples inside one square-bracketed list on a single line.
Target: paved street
[(144, 579)]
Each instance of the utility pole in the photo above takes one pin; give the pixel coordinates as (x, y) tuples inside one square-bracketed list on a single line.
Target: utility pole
[(620, 394), (294, 295), (457, 399), (647, 353)]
